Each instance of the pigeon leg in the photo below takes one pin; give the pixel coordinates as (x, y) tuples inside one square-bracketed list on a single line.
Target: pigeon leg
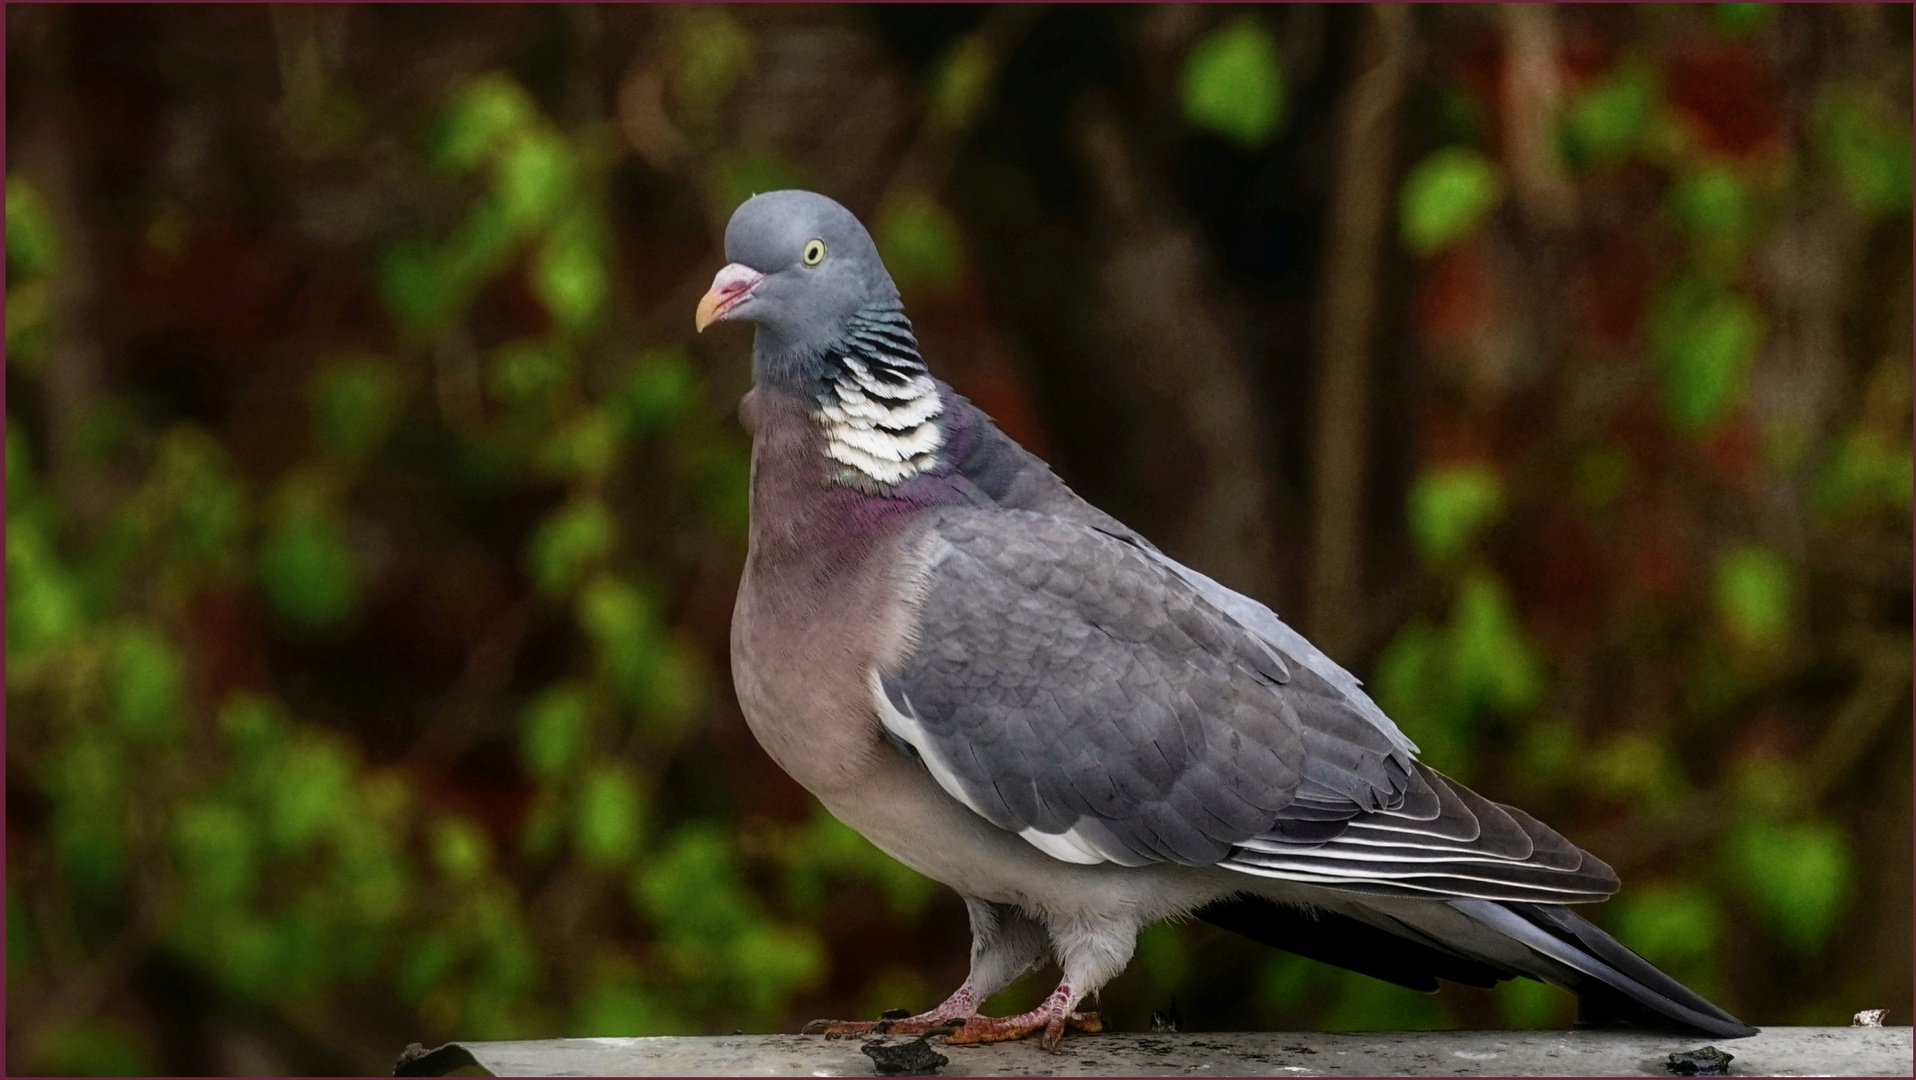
[(960, 1006), (1052, 1018)]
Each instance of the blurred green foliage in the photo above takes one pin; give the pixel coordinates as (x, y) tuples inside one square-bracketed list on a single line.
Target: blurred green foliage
[(1705, 337), (1233, 83), (1445, 196), (1870, 150), (1466, 672), (919, 241), (260, 849), (1449, 505), (1607, 119)]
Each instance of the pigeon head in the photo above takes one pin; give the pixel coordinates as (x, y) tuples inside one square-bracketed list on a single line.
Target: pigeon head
[(800, 267)]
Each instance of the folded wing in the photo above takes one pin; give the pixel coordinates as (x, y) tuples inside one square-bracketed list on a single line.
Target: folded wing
[(1089, 695)]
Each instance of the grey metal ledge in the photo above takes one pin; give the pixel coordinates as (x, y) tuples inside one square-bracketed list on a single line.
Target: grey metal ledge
[(1778, 1051)]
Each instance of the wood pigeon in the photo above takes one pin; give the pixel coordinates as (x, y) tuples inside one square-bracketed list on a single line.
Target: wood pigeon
[(1014, 694)]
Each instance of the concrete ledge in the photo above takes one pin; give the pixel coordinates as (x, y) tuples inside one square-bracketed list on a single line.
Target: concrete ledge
[(1782, 1051)]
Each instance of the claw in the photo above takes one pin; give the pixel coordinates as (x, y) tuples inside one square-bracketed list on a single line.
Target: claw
[(842, 1029), (987, 1029)]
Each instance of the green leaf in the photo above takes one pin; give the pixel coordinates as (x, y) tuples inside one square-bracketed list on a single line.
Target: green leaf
[(537, 175), (570, 273), (91, 1048), (1675, 925), (1233, 83), (1165, 957), (1361, 1003), (460, 849), (1705, 338), (609, 823), (554, 730), (32, 241), (413, 288), (1410, 683), (1716, 207), (1449, 505), (920, 243), (1739, 19), (44, 605), (692, 890), (478, 119), (1605, 122), (962, 83), (217, 847), (652, 672), (1526, 1004), (29, 325), (1865, 473), (585, 448), (571, 540), (1461, 115), (90, 783), (1798, 876), (1493, 663), (478, 249), (354, 405), (1765, 788), (663, 388), (1752, 590), (770, 962), (1550, 752), (22, 949), (617, 1004), (1445, 196), (528, 371), (308, 572), (715, 52), (1602, 475), (735, 174), (306, 785), (1868, 143), (827, 854), (1636, 768), (147, 685)]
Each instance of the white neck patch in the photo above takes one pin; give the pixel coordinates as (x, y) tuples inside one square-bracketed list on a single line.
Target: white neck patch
[(886, 429)]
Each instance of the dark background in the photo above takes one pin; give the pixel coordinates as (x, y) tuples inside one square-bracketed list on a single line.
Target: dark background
[(374, 516)]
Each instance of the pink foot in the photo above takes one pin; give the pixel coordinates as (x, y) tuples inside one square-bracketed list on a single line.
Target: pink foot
[(952, 1013), (1053, 1017)]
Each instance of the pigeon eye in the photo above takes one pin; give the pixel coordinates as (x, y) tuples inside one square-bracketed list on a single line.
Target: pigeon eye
[(814, 253)]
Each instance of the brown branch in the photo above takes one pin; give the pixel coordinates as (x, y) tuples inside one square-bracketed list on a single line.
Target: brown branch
[(1884, 685), (1360, 215), (1533, 95)]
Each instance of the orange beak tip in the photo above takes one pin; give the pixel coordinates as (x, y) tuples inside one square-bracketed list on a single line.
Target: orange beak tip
[(708, 310)]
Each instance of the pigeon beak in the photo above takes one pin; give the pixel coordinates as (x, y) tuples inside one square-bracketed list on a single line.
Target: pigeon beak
[(733, 284)]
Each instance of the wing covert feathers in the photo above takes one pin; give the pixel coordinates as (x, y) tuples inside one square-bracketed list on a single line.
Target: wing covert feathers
[(1087, 694)]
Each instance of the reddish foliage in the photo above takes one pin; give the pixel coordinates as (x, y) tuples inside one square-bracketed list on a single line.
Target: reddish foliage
[(1612, 283), (1734, 452), (228, 292), (1728, 98), (1658, 570), (224, 628), (1560, 582), (1450, 435), (1455, 297)]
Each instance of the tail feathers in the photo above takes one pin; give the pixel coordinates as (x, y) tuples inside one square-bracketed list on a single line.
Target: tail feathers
[(1615, 983), (1406, 957)]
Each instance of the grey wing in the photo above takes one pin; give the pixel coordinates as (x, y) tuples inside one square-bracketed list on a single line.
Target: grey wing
[(1442, 839), (1080, 691)]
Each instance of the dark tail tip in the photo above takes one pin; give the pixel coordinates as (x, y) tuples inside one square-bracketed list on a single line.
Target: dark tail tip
[(1613, 984)]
